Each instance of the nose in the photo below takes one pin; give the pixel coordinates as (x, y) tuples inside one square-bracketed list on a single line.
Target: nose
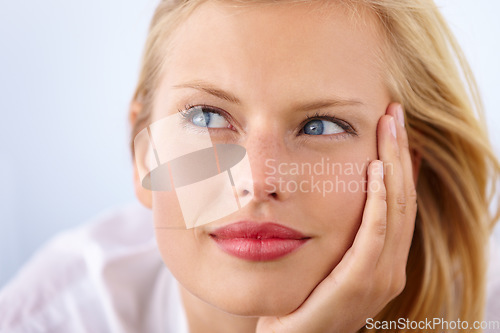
[(265, 151)]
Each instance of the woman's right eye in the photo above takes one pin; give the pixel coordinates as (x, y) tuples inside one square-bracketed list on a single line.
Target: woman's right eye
[(202, 116)]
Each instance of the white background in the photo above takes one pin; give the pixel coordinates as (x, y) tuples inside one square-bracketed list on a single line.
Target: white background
[(67, 73)]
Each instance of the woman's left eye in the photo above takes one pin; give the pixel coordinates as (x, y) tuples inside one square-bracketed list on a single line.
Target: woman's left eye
[(204, 117), (322, 127)]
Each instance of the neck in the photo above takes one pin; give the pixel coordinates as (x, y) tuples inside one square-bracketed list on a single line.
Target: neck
[(205, 318)]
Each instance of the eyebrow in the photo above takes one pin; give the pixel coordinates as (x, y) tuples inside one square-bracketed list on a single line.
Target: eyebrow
[(308, 106), (328, 103), (210, 89)]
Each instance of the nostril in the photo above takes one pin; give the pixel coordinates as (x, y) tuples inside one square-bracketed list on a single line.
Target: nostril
[(257, 191), (245, 192)]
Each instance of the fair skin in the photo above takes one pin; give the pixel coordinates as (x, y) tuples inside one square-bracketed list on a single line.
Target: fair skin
[(276, 60)]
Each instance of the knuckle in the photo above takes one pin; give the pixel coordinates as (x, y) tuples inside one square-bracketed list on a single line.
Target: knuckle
[(412, 191), (381, 195), (397, 152), (398, 283), (401, 204), (381, 228), (404, 143), (412, 195), (382, 286), (412, 200)]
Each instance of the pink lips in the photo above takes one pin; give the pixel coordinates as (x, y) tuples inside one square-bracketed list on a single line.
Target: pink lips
[(258, 242)]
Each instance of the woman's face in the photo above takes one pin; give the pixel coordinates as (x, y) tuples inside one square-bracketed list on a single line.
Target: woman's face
[(299, 85)]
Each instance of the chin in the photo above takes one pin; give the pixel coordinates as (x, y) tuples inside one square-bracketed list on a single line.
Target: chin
[(258, 298), (259, 307)]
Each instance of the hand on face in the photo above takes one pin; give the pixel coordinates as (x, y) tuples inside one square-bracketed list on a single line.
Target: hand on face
[(373, 270)]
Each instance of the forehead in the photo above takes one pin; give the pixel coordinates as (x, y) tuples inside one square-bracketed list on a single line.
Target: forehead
[(307, 45)]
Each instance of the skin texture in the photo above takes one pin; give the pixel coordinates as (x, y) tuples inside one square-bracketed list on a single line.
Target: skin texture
[(275, 60)]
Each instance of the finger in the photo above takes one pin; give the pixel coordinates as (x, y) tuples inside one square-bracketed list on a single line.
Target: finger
[(369, 241), (396, 197), (410, 192)]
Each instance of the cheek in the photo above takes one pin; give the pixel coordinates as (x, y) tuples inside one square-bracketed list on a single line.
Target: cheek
[(338, 212), (337, 196), (337, 178), (178, 246), (166, 211), (342, 189), (176, 243)]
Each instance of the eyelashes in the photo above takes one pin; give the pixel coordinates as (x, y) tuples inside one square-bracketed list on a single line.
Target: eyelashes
[(203, 116), (319, 124), (206, 116), (325, 117)]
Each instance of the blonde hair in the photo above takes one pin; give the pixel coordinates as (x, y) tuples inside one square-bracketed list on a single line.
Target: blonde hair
[(428, 74)]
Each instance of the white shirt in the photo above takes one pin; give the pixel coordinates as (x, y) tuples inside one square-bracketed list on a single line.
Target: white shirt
[(108, 276)]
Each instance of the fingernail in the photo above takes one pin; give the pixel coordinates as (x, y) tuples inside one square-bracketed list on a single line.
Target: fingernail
[(400, 115), (392, 126)]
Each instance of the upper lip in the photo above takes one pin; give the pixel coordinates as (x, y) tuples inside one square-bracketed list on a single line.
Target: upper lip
[(250, 229)]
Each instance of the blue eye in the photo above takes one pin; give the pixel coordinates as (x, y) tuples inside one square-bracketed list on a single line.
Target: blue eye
[(203, 117), (322, 127)]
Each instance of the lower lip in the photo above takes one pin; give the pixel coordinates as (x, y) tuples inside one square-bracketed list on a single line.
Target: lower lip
[(259, 249)]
